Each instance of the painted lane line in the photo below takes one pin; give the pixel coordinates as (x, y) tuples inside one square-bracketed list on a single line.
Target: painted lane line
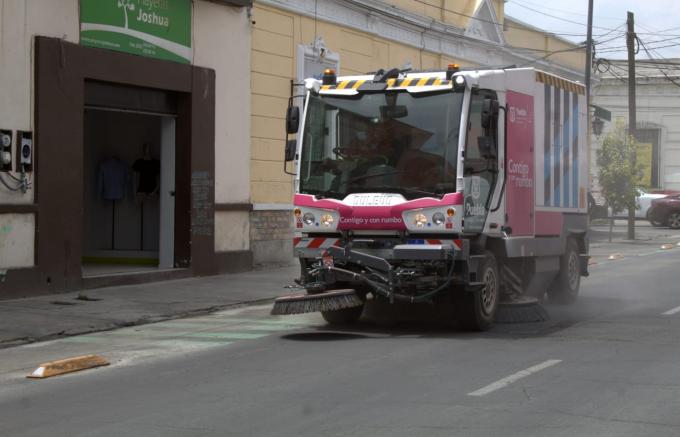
[(513, 378), (671, 311)]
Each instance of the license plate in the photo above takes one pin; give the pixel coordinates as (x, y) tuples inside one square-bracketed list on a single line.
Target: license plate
[(327, 261)]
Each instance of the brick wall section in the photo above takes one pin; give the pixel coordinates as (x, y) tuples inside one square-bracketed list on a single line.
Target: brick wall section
[(271, 237), (271, 225)]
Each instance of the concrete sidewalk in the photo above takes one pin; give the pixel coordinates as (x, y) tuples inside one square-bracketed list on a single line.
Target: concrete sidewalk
[(648, 239), (54, 316)]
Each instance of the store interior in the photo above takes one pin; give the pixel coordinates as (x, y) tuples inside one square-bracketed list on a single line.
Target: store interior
[(128, 192)]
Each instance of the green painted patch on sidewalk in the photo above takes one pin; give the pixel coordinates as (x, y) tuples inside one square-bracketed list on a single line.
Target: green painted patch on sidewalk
[(272, 321), (229, 335), (86, 339), (195, 342)]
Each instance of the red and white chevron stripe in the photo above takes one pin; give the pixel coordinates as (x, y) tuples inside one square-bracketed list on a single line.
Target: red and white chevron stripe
[(315, 243), (324, 243), (457, 244)]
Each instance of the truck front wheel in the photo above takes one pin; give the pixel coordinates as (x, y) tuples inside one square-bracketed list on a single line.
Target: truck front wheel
[(476, 310), (565, 288)]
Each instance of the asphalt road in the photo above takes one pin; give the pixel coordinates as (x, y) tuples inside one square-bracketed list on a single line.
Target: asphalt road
[(607, 365)]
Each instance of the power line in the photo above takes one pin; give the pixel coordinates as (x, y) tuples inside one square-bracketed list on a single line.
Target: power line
[(612, 31), (561, 10), (560, 18), (621, 48), (441, 8), (652, 57)]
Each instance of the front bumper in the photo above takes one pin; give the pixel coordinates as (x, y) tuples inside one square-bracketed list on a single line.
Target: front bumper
[(412, 248), (412, 272)]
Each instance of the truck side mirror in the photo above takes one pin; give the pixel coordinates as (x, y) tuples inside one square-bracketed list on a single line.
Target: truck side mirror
[(487, 148), (489, 112), (290, 150), (292, 119)]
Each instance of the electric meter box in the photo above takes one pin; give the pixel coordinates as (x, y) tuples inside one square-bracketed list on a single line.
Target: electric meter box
[(25, 150), (5, 150)]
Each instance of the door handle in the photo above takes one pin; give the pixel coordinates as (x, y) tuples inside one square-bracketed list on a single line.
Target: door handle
[(171, 193)]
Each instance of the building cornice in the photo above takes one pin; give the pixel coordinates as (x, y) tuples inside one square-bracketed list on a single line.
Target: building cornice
[(389, 22)]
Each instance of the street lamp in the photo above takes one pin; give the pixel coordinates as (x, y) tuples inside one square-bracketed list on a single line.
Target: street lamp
[(597, 126)]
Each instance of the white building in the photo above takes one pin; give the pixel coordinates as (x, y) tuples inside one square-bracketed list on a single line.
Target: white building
[(658, 116)]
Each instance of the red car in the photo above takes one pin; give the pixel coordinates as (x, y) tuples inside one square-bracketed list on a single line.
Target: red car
[(666, 211)]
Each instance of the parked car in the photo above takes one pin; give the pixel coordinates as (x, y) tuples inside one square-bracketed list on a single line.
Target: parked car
[(643, 201), (666, 211)]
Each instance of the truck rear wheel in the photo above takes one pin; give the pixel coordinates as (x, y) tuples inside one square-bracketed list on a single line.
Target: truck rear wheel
[(565, 288), (344, 316), (476, 310)]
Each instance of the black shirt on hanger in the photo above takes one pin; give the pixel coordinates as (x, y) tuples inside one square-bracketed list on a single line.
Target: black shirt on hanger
[(148, 170)]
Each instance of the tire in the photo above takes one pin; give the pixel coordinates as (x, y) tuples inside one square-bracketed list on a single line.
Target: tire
[(655, 223), (674, 220), (652, 221), (476, 310), (345, 316), (565, 287)]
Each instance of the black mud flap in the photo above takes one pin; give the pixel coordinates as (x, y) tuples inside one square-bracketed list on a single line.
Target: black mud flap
[(583, 258)]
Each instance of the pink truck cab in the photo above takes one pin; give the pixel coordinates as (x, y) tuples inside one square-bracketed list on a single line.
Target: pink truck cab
[(463, 187)]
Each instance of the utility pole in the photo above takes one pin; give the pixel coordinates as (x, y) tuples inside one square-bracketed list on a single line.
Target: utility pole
[(589, 56), (632, 120), (589, 67)]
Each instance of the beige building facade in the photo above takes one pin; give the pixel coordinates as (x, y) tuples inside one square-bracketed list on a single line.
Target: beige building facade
[(294, 39)]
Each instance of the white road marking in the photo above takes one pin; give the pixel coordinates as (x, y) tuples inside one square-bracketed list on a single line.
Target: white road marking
[(671, 311), (513, 378)]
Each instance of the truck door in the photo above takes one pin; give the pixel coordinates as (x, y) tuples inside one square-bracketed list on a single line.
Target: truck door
[(520, 171), (479, 170)]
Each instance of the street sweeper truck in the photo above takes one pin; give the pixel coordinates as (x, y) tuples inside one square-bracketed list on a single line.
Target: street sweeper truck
[(465, 188)]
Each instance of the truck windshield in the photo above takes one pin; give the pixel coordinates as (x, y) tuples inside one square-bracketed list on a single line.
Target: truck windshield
[(386, 142)]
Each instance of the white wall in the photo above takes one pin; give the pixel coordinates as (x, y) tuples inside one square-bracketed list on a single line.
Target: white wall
[(657, 108), (222, 42), (20, 20), (16, 240)]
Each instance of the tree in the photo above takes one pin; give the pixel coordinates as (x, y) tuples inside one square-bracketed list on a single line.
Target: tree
[(617, 173)]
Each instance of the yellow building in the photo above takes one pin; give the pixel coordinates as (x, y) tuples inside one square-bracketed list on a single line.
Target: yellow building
[(294, 39)]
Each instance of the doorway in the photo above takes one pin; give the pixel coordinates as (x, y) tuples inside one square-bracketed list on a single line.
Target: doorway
[(129, 188)]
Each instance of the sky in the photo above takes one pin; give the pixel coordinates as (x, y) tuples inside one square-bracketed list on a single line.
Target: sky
[(656, 23)]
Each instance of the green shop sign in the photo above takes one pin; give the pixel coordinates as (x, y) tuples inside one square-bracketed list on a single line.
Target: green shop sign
[(153, 28)]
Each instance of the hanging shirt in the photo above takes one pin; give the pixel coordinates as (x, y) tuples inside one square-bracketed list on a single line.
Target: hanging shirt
[(148, 170), (113, 179)]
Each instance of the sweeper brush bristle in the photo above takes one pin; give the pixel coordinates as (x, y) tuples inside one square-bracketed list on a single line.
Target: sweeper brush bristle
[(311, 303), (522, 310)]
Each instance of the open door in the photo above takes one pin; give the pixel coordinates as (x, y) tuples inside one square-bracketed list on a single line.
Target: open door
[(166, 247)]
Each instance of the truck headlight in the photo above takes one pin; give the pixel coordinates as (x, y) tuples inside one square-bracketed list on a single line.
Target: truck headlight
[(308, 218), (438, 218), (326, 220), (420, 220)]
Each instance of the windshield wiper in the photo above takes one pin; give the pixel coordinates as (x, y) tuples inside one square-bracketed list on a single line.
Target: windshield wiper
[(325, 194), (370, 176)]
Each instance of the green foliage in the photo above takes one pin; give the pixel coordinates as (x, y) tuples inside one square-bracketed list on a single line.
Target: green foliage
[(617, 172)]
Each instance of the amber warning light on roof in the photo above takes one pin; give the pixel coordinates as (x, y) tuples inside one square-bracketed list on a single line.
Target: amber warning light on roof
[(451, 69), (329, 77)]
